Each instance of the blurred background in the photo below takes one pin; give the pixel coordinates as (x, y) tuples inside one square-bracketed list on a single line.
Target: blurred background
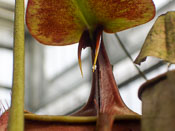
[(54, 85)]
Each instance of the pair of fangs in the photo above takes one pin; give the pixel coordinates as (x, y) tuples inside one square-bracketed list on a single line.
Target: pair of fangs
[(82, 45)]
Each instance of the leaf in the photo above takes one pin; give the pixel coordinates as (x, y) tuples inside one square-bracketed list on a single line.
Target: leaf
[(61, 22), (160, 41)]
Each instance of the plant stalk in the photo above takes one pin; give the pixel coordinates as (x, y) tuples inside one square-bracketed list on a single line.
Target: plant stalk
[(16, 119)]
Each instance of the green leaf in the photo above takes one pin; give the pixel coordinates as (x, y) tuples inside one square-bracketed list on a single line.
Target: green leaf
[(61, 22), (160, 41)]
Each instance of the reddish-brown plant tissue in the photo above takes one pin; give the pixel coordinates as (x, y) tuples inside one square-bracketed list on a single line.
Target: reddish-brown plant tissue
[(43, 125)]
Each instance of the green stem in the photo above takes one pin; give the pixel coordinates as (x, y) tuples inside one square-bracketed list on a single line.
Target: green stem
[(16, 120), (127, 53)]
